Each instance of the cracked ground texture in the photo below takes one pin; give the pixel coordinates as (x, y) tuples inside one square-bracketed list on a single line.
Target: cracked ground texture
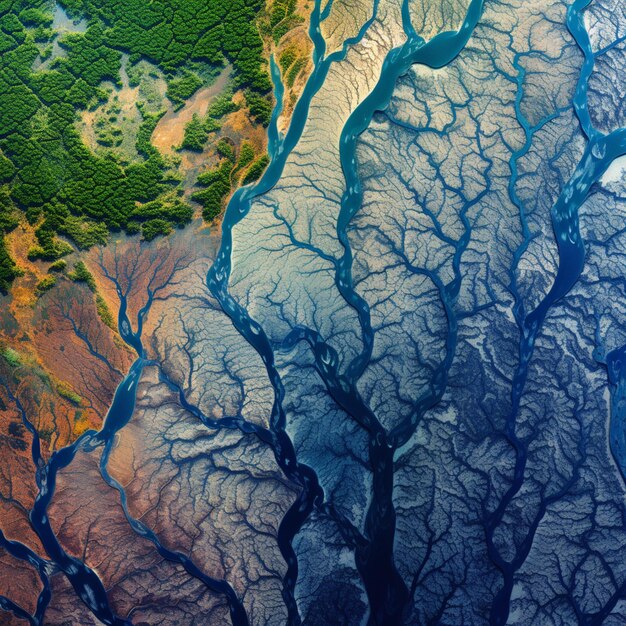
[(393, 390)]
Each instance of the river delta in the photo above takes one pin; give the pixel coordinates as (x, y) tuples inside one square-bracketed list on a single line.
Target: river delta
[(380, 380)]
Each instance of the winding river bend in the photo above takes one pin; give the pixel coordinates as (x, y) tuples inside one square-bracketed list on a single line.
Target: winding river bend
[(387, 592), (484, 421)]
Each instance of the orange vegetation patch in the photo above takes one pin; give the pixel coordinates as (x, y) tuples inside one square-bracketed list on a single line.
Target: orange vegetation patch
[(238, 127), (170, 130), (62, 362), (81, 354), (145, 273), (17, 474), (19, 241), (299, 42)]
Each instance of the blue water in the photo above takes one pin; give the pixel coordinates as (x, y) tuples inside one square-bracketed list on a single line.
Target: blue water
[(84, 580), (600, 151), (387, 592), (373, 546)]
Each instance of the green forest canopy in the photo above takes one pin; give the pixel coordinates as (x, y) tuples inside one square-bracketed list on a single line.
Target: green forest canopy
[(48, 172)]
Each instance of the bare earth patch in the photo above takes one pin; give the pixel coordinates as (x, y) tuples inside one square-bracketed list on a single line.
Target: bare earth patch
[(170, 130)]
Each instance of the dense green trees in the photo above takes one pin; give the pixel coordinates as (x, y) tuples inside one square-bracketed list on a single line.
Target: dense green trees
[(45, 284), (8, 268), (17, 105), (8, 221), (246, 155), (218, 183), (173, 32), (154, 228), (8, 214), (291, 64), (81, 274), (294, 70), (256, 169), (182, 88), (58, 266), (226, 149), (222, 105), (196, 134), (175, 211), (64, 188), (282, 18), (260, 106), (70, 193), (198, 129)]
